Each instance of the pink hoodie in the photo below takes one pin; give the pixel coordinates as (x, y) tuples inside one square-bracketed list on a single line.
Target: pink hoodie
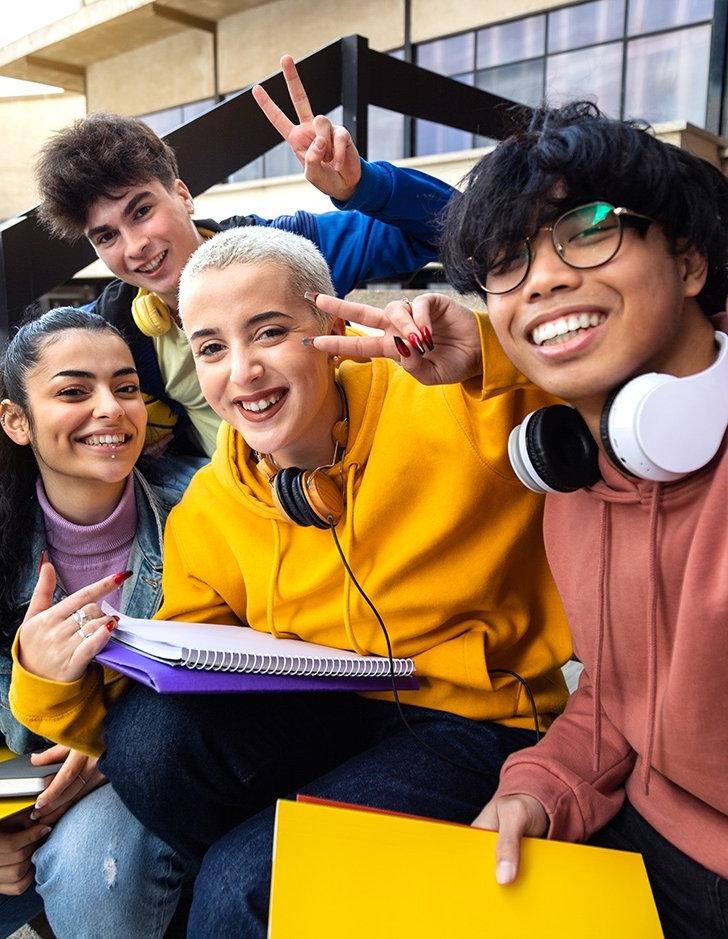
[(642, 569)]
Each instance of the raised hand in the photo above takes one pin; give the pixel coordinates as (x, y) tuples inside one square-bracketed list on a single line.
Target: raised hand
[(432, 337), (512, 817), (58, 641), (76, 778), (325, 151)]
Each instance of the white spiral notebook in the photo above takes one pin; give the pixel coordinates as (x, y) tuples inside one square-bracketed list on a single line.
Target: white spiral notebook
[(242, 649)]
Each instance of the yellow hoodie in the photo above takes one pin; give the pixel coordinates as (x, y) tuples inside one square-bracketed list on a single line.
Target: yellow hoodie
[(439, 532)]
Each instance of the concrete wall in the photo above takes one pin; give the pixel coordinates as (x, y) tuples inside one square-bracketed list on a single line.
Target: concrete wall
[(172, 71), (252, 42), (434, 18), (26, 123)]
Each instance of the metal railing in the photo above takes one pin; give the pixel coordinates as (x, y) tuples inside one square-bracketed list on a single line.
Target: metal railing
[(234, 133)]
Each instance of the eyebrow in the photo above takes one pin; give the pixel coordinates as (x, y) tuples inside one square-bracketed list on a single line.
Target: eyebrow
[(128, 210), (254, 320), (79, 373)]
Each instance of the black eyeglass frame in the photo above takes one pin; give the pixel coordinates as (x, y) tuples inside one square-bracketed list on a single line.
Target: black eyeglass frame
[(624, 217)]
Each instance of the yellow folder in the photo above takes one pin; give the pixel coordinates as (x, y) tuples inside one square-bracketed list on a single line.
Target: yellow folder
[(10, 805), (339, 873)]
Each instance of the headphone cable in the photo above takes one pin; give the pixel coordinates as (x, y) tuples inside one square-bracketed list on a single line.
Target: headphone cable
[(390, 656)]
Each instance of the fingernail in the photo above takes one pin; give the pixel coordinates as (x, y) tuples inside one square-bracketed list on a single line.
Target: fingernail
[(111, 625), (46, 830), (505, 872), (122, 576), (307, 341), (427, 336), (416, 343), (401, 347), (311, 295), (43, 560)]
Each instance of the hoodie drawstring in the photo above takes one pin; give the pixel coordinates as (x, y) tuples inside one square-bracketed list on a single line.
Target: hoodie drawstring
[(270, 604), (349, 538), (604, 519), (652, 640)]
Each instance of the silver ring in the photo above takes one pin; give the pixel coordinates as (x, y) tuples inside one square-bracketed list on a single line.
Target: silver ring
[(83, 779), (407, 301), (82, 634), (80, 619)]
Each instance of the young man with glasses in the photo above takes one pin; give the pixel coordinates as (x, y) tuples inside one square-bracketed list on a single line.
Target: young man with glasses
[(602, 255)]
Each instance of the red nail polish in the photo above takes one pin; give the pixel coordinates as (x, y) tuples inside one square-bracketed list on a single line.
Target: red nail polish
[(416, 343), (43, 559), (122, 576), (111, 625), (401, 347), (427, 336)]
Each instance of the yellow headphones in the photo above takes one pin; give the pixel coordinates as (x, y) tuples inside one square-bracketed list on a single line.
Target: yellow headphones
[(151, 314)]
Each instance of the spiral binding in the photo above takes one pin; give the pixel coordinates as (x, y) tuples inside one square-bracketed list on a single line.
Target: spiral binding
[(253, 664)]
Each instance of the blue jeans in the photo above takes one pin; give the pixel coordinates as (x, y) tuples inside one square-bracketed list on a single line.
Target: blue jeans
[(692, 901), (101, 874), (205, 771)]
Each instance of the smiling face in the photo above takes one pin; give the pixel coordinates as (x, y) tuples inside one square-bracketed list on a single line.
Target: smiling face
[(145, 235), (245, 326), (86, 416), (579, 334)]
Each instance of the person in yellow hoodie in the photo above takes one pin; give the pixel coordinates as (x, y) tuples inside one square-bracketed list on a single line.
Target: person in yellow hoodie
[(412, 445)]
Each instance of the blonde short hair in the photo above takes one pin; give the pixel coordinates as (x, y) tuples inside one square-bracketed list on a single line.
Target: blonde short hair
[(305, 265)]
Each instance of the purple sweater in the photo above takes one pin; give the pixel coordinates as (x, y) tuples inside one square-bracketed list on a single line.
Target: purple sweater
[(82, 554)]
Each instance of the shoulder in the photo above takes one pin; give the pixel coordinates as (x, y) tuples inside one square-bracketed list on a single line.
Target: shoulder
[(115, 302)]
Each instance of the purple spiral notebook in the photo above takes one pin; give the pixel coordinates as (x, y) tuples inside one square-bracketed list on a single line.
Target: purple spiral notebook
[(175, 679)]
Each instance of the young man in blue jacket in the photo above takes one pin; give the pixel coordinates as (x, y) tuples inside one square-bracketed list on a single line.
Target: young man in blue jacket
[(113, 180)]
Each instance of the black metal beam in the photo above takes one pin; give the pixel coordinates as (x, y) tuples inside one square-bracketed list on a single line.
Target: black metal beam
[(355, 77)]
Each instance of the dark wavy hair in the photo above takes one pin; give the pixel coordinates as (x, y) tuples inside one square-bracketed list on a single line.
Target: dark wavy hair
[(573, 155), (93, 158), (18, 468)]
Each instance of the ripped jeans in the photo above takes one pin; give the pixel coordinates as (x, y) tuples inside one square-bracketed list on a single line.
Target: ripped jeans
[(101, 874)]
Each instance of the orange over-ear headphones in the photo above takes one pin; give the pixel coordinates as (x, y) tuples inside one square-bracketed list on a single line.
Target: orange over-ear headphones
[(309, 496)]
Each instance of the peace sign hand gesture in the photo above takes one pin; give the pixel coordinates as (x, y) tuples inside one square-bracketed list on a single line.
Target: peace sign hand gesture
[(432, 337), (325, 151)]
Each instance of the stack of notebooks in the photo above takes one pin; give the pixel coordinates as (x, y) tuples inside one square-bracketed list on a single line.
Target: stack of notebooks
[(200, 658)]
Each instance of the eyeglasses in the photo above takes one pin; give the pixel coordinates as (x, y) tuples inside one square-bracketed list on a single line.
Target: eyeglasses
[(585, 237)]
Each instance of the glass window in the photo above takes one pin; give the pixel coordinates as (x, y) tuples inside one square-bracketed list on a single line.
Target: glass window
[(645, 16), (585, 24), (510, 42), (521, 82), (667, 76), (162, 122), (252, 171), (595, 74), (197, 108), (447, 56), (437, 138), (386, 134)]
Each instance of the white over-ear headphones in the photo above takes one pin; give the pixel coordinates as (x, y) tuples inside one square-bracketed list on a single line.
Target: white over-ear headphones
[(656, 427)]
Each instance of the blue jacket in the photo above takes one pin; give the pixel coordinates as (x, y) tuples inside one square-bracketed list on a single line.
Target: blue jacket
[(141, 595), (390, 227)]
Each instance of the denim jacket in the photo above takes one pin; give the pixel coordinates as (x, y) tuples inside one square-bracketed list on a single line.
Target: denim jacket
[(141, 595)]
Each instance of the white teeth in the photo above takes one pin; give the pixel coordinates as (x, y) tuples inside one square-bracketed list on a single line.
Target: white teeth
[(104, 440), (560, 330), (153, 264), (262, 403)]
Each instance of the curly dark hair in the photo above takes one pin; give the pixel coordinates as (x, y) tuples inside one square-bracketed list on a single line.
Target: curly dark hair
[(573, 155), (93, 158)]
